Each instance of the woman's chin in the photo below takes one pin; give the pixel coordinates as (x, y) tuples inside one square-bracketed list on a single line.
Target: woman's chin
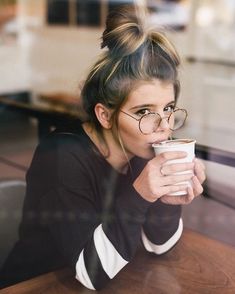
[(149, 154)]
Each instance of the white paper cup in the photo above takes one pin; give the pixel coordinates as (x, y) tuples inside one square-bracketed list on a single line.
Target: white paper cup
[(187, 145)]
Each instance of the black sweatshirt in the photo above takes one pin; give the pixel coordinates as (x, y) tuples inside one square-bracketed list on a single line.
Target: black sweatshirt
[(79, 211)]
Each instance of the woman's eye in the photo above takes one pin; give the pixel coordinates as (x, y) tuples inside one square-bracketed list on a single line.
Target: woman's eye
[(142, 112), (169, 108)]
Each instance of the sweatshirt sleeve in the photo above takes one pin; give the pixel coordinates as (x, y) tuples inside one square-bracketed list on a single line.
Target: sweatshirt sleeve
[(114, 241), (163, 227), (97, 239)]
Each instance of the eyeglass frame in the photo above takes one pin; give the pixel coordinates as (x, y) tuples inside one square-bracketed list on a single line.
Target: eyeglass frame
[(161, 118)]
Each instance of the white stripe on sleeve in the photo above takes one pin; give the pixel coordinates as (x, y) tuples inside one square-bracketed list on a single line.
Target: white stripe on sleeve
[(112, 262), (160, 249), (81, 272)]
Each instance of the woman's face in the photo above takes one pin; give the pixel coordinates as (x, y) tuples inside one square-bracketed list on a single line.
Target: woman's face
[(154, 96)]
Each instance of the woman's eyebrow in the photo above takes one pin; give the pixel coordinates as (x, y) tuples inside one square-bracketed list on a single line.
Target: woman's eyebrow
[(150, 105), (172, 102), (141, 106)]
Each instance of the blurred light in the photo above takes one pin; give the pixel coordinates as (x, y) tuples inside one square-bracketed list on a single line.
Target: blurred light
[(205, 16)]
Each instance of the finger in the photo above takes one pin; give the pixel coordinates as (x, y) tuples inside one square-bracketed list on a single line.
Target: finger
[(199, 162), (197, 187), (199, 171), (168, 169), (166, 190), (190, 195), (173, 200), (169, 155), (200, 174), (180, 200), (175, 179)]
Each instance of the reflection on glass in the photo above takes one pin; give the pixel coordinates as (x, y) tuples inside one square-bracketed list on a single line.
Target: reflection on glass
[(170, 13), (8, 21), (57, 12), (88, 12), (215, 12), (112, 4)]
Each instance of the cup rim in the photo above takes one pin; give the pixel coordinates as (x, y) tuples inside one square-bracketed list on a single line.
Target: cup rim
[(163, 144)]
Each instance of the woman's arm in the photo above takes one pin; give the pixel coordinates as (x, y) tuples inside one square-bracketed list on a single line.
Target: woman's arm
[(163, 227), (98, 218), (97, 245)]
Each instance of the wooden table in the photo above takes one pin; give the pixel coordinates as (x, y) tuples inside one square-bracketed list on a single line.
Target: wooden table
[(196, 265), (47, 114)]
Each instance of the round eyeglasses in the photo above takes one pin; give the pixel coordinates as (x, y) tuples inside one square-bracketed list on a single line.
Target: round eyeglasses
[(149, 123)]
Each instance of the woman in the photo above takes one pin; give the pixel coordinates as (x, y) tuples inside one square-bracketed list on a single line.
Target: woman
[(94, 190)]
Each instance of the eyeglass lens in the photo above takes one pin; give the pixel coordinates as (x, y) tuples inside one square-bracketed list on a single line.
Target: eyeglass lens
[(150, 122)]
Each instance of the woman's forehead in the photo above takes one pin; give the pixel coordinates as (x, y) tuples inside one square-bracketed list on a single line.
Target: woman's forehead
[(151, 92)]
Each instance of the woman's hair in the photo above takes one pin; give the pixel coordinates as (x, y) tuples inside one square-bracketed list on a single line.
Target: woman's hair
[(135, 52)]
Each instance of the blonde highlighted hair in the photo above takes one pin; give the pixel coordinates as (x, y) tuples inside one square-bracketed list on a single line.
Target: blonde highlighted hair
[(135, 51)]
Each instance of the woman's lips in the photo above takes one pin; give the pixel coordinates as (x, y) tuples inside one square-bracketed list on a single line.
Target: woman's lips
[(158, 141)]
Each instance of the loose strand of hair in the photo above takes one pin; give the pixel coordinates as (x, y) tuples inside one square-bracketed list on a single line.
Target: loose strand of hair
[(102, 62), (124, 150), (113, 71), (163, 42)]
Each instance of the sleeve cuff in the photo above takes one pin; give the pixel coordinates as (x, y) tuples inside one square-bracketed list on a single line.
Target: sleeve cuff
[(163, 248)]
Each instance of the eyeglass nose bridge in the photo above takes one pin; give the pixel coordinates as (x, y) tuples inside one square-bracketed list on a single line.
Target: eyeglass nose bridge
[(158, 118), (161, 119)]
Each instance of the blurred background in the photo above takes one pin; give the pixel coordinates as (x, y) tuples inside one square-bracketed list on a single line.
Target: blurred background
[(47, 47)]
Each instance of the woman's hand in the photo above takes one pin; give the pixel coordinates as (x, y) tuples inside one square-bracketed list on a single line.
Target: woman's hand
[(157, 179), (194, 191)]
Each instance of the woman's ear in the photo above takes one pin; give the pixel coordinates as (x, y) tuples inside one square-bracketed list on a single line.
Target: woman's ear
[(103, 115)]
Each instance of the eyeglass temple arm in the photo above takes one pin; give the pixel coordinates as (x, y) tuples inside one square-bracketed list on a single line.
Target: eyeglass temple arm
[(137, 119)]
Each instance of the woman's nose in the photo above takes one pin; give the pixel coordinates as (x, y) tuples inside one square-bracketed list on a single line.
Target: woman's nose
[(164, 124)]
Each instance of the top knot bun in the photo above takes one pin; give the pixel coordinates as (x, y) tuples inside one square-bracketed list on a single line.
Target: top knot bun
[(127, 29), (124, 32)]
